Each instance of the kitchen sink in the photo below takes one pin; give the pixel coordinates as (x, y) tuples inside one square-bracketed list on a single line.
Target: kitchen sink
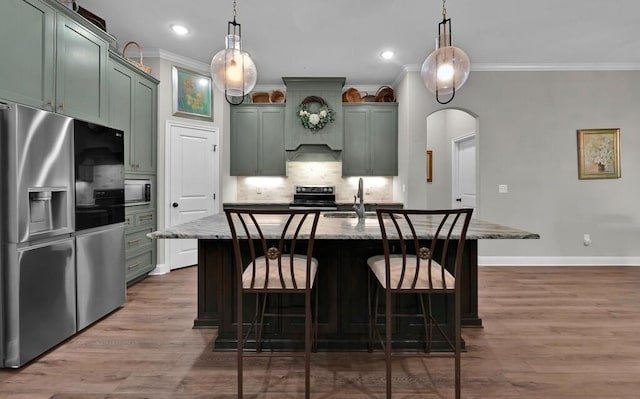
[(349, 214)]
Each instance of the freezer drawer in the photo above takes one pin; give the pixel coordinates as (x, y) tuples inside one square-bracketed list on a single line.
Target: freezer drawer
[(38, 301), (100, 273)]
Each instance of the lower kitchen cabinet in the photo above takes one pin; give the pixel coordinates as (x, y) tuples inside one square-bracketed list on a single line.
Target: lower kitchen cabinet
[(257, 140), (370, 139), (140, 250)]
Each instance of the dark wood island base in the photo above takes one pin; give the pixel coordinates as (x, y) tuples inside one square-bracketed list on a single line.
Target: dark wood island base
[(342, 299)]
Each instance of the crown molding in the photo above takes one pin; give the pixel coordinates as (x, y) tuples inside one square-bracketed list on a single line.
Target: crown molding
[(197, 66)]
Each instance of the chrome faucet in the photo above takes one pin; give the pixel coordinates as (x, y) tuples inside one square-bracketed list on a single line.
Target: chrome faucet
[(359, 207)]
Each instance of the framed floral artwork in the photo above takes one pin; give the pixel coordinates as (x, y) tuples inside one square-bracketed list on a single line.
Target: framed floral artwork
[(598, 153), (192, 97)]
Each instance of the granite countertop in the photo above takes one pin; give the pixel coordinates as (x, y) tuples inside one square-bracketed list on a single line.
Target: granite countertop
[(216, 227)]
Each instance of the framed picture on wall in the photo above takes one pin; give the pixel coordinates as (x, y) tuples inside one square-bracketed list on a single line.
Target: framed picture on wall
[(429, 166), (192, 97), (598, 153)]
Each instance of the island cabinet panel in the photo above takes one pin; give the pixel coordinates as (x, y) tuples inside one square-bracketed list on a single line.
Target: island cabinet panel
[(342, 285), (51, 61), (257, 140), (370, 139)]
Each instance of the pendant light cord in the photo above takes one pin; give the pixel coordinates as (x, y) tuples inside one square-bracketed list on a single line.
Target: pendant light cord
[(444, 10)]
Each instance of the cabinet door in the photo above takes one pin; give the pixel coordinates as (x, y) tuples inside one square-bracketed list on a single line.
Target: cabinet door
[(144, 126), (384, 141), (244, 141), (271, 142), (26, 70), (120, 105), (356, 153), (81, 65)]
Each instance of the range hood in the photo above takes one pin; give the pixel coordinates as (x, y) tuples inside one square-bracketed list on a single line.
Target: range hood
[(302, 144), (314, 153)]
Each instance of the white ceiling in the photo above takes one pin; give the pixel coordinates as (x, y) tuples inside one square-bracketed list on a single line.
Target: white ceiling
[(345, 37)]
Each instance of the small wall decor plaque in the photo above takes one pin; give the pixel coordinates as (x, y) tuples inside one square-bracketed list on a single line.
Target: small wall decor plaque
[(192, 97), (599, 153)]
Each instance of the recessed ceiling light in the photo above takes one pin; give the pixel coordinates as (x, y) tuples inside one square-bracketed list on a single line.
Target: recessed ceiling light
[(179, 29), (387, 55)]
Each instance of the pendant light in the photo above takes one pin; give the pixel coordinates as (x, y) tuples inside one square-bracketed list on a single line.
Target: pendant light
[(232, 69), (447, 68)]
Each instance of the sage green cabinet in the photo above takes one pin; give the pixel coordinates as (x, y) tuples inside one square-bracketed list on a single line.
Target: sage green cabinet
[(257, 140), (27, 47), (370, 139), (140, 250), (52, 62), (133, 109)]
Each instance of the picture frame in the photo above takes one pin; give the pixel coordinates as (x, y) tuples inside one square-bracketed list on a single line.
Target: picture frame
[(599, 154), (429, 166), (192, 95)]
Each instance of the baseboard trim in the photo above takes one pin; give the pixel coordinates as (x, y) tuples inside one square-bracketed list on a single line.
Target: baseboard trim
[(558, 261), (160, 270)]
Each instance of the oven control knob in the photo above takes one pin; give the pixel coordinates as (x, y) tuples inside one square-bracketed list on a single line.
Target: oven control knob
[(175, 205)]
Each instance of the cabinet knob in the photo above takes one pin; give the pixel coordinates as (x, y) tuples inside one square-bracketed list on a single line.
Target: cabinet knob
[(175, 205)]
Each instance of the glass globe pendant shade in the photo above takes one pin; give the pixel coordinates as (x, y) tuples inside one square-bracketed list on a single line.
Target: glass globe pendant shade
[(446, 69), (233, 71)]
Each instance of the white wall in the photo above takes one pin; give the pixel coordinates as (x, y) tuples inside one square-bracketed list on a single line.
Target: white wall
[(162, 70), (527, 139)]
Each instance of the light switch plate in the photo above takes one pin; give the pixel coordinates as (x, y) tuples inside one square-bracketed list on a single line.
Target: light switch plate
[(503, 188)]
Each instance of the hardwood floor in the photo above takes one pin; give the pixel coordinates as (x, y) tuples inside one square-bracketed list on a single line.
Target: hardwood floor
[(567, 332)]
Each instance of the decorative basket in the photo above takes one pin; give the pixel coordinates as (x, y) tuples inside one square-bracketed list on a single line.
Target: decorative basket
[(385, 94), (137, 64), (260, 97), (277, 96), (352, 95)]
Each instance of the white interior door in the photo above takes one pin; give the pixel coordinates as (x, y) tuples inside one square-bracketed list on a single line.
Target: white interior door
[(464, 176), (192, 184)]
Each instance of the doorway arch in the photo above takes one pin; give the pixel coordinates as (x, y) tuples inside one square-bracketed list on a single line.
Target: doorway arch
[(448, 132)]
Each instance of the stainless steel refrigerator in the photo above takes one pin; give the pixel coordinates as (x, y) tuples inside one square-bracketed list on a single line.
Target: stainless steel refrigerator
[(37, 248)]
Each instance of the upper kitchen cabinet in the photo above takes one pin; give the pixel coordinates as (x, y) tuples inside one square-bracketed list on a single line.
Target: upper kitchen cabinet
[(81, 72), (133, 109), (257, 140), (55, 64), (370, 139)]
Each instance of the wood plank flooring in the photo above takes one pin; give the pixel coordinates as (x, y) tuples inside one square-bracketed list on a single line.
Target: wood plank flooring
[(566, 332)]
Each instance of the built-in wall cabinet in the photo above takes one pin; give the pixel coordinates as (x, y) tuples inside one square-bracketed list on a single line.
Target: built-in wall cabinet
[(54, 59), (257, 140), (370, 139), (39, 60), (133, 109)]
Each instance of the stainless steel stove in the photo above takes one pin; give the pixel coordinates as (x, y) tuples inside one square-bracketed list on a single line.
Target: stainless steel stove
[(314, 197)]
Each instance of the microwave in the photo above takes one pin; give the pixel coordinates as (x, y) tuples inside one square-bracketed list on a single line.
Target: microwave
[(137, 191)]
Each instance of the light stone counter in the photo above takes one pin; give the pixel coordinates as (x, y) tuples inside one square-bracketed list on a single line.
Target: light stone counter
[(341, 228)]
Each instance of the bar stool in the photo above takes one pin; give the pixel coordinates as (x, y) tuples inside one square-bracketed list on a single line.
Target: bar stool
[(423, 251), (273, 254)]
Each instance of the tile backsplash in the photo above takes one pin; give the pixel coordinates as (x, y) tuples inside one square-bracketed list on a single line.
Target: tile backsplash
[(280, 189)]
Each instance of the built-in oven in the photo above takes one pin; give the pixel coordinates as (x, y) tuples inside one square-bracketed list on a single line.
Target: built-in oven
[(99, 175), (137, 192)]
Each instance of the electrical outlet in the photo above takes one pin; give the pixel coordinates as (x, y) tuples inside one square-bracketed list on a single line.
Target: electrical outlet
[(258, 190), (503, 188), (404, 188), (587, 240)]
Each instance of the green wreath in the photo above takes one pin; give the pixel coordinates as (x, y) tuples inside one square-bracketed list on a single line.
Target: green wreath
[(314, 121)]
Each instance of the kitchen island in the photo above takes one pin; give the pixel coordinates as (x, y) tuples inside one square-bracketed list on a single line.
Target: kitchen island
[(342, 246)]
